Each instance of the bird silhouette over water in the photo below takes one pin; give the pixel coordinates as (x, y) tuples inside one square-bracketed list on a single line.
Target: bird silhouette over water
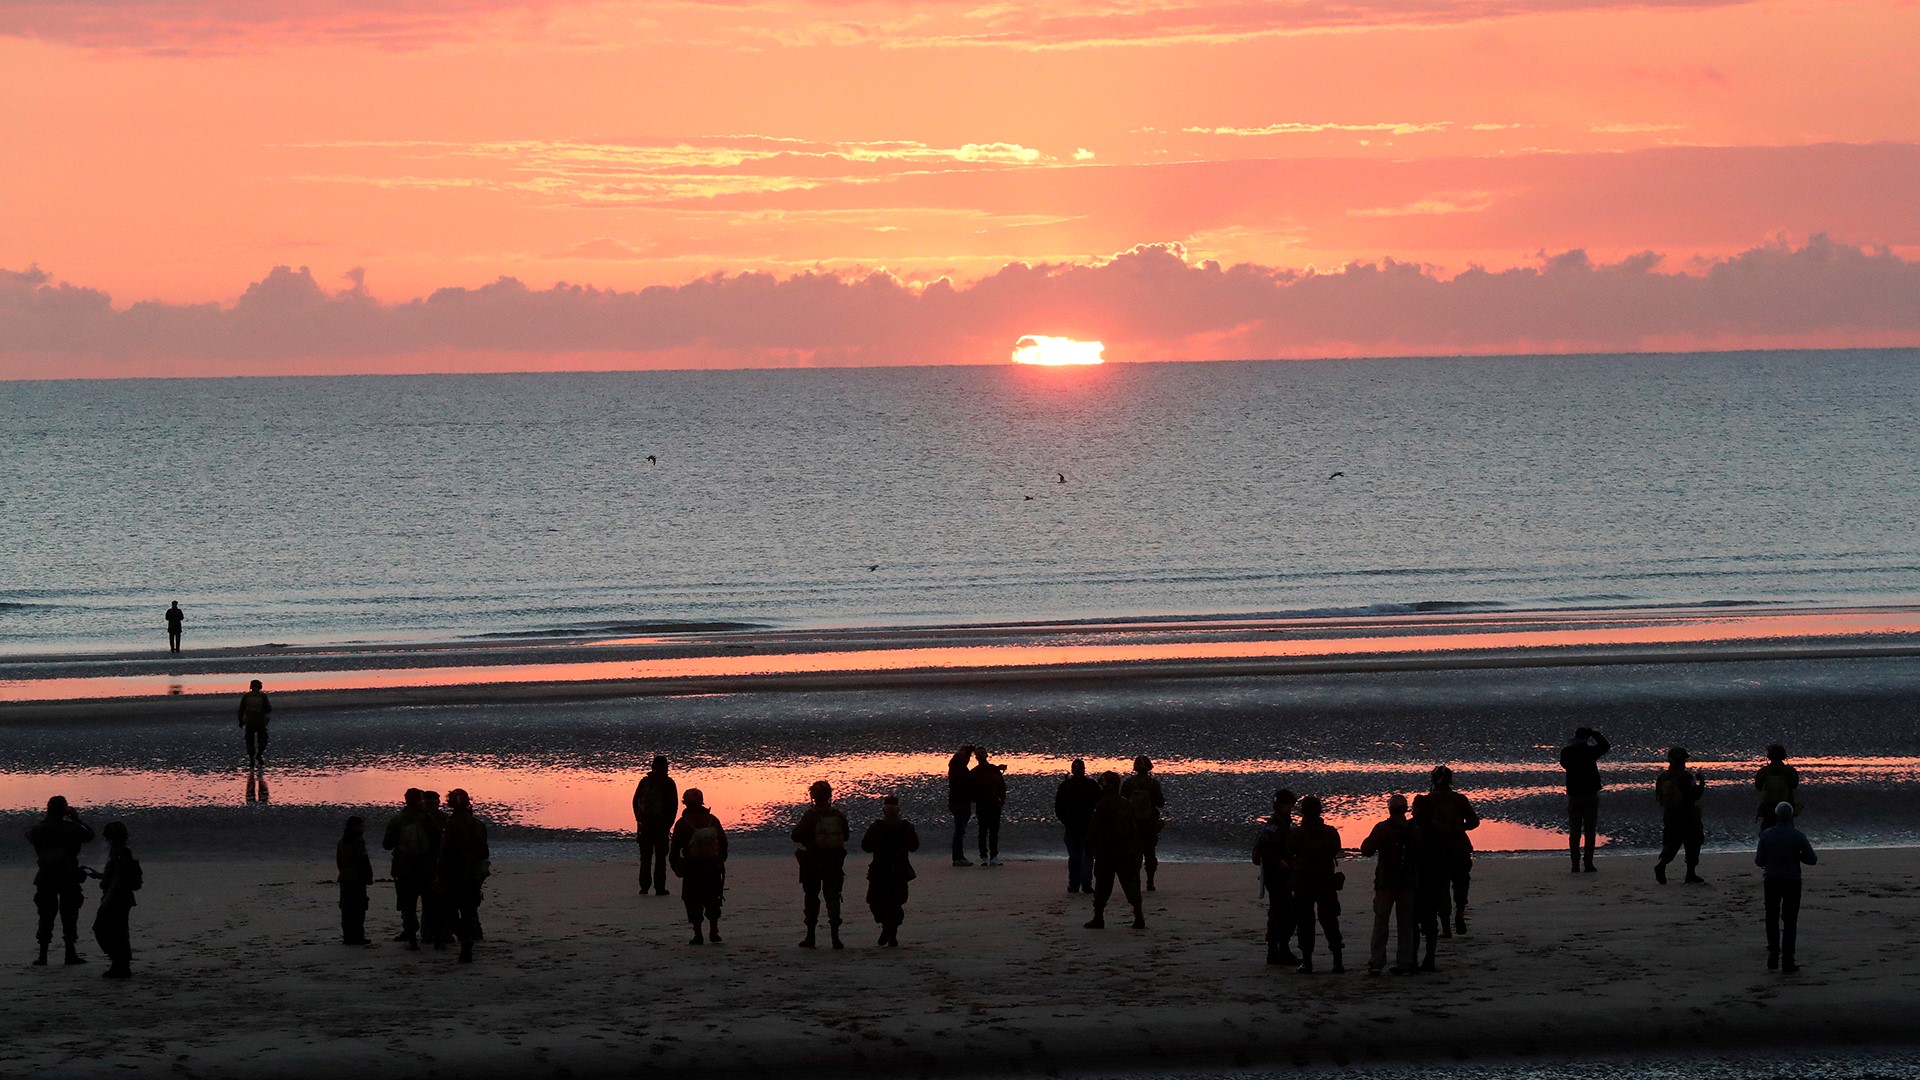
[(651, 460), (1028, 498), (1336, 476), (872, 568), (1063, 477)]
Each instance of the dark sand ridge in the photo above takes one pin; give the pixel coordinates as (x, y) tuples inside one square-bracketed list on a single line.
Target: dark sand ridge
[(238, 973), (760, 661)]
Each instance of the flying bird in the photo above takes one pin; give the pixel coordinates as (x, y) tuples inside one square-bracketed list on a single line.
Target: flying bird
[(1063, 477), (651, 460), (1028, 498), (872, 568), (1336, 476)]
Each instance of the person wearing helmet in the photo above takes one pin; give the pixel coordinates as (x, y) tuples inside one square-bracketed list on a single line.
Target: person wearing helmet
[(1782, 852), (697, 853), (822, 836), (57, 841), (1448, 817), (1678, 789), (1142, 792), (464, 865)]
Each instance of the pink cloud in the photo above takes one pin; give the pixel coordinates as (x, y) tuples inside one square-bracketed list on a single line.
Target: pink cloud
[(1149, 303), (200, 25)]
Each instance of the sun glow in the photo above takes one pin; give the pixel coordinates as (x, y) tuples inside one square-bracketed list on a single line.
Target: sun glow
[(1056, 351)]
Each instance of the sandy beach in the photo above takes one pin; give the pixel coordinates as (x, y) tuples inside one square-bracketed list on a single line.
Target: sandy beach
[(239, 972)]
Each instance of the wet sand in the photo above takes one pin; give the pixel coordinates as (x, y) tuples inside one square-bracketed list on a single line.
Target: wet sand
[(239, 973), (765, 661)]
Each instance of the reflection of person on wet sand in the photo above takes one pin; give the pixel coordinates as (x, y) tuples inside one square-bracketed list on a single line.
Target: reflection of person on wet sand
[(174, 618), (256, 787), (697, 852), (254, 711)]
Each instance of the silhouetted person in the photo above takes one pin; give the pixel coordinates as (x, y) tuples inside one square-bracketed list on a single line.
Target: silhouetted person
[(960, 801), (1450, 817), (118, 882), (1270, 855), (1396, 881), (1679, 790), (57, 841), (891, 840), (1777, 782), (174, 618), (655, 800), (355, 874), (1114, 837), (1313, 856), (465, 862), (1142, 792), (822, 836), (1430, 887), (1581, 760), (433, 902), (988, 783), (1783, 850), (410, 838), (254, 711), (1073, 804), (697, 852)]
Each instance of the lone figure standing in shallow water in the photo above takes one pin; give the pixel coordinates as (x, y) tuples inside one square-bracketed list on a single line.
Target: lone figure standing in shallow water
[(174, 618), (254, 710)]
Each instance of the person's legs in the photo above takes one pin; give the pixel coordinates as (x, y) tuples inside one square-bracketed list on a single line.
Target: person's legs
[(1150, 838), (1303, 929), (1329, 905), (46, 901), (1382, 911), (1672, 838), (831, 884), (658, 839), (1789, 922), (1461, 879), (1771, 892), (1590, 826), (989, 816), (1695, 834), (810, 885), (1076, 860), (1280, 926), (1102, 890), (1405, 956), (960, 816)]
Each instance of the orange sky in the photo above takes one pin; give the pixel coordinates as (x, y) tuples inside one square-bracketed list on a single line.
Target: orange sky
[(176, 150)]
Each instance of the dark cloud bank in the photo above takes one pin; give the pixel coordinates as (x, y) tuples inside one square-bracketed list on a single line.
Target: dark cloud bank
[(1150, 303)]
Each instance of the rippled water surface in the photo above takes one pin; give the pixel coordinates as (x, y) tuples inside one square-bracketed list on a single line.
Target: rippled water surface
[(301, 510)]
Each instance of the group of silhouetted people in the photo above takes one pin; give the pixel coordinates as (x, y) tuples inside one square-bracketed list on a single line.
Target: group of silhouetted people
[(59, 887), (440, 861), (1422, 850)]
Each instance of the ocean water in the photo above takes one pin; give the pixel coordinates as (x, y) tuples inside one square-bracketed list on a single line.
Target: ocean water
[(408, 508)]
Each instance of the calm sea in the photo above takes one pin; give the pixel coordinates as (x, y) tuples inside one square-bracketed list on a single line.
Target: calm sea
[(373, 508)]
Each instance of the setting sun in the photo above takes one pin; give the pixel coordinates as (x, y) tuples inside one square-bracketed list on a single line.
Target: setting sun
[(1056, 351)]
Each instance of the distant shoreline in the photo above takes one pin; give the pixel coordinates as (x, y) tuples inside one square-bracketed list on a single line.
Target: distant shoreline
[(740, 661)]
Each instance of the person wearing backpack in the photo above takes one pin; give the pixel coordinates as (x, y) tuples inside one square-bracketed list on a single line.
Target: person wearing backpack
[(1142, 792), (654, 799), (1270, 855), (1396, 879), (697, 853), (1777, 782), (355, 874), (822, 835), (255, 710), (409, 836), (891, 840), (988, 783), (1449, 817), (1678, 789), (118, 882)]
